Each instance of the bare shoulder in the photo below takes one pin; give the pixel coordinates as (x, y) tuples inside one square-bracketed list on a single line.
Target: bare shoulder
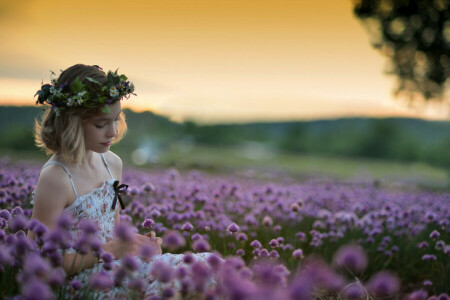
[(54, 182), (115, 163), (53, 192)]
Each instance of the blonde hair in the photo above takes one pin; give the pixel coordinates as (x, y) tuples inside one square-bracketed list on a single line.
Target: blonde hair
[(64, 135)]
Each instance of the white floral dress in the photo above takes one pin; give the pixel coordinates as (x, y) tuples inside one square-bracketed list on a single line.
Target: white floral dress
[(96, 207)]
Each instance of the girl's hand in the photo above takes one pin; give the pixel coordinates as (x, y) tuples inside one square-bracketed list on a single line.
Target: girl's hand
[(119, 248), (156, 240)]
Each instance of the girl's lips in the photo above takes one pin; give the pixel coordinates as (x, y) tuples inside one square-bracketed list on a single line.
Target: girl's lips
[(107, 144)]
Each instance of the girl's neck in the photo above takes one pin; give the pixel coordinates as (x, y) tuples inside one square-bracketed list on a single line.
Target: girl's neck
[(88, 162)]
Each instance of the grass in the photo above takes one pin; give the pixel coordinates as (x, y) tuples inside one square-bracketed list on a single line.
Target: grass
[(299, 166), (271, 165)]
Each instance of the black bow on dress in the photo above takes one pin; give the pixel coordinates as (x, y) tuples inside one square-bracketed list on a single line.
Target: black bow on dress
[(117, 190)]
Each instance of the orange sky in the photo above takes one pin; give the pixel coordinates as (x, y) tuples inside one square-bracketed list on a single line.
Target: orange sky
[(212, 61)]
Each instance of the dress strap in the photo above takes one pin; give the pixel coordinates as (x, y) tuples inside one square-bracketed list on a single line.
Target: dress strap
[(107, 165), (53, 162)]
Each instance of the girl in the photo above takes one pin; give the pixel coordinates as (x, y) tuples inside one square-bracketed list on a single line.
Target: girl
[(82, 178)]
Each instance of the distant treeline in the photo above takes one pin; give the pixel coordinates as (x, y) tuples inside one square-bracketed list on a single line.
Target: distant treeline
[(392, 138)]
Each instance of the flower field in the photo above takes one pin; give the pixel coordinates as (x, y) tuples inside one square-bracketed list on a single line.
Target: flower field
[(279, 240)]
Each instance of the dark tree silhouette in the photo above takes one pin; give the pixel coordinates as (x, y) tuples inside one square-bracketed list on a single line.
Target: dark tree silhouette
[(415, 36)]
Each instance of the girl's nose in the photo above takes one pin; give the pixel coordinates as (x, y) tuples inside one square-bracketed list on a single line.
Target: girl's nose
[(112, 132)]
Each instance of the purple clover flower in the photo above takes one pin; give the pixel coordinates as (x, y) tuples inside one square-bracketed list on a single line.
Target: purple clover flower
[(447, 249), (417, 295), (40, 229), (188, 258), (88, 227), (124, 231), (435, 235), (240, 252), (137, 284), (274, 254), (300, 236), (148, 187), (201, 246), (129, 263), (5, 214), (18, 222), (57, 277), (443, 296), (298, 254), (3, 223), (147, 251), (354, 291), (65, 220), (107, 257), (440, 245), (75, 284), (196, 236), (148, 223), (6, 257), (35, 266), (256, 244), (36, 289), (383, 284), (82, 244), (101, 280), (351, 257), (263, 253), (17, 211), (173, 240), (187, 227), (427, 283), (214, 261), (301, 288), (422, 245), (273, 243), (429, 257), (241, 237), (233, 228), (181, 272), (163, 272)]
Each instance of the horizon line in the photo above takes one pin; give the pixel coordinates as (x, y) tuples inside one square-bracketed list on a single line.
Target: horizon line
[(223, 122)]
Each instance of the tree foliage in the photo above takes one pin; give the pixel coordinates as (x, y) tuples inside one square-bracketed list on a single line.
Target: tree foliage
[(415, 36)]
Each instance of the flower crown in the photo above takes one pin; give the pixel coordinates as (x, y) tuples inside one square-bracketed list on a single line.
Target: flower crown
[(79, 94)]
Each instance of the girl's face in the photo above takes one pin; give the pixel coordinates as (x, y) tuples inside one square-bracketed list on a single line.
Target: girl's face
[(100, 130)]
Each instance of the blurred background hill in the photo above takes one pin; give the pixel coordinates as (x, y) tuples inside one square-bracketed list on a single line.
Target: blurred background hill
[(321, 146)]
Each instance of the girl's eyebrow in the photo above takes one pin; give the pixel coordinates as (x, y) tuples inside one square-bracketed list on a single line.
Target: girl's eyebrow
[(105, 119)]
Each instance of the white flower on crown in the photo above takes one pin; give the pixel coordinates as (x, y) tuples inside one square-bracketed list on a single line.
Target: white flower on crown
[(58, 93), (80, 101), (70, 102), (130, 88), (56, 110), (113, 92), (52, 90)]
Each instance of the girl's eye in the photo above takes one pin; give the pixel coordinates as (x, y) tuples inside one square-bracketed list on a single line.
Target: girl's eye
[(101, 126)]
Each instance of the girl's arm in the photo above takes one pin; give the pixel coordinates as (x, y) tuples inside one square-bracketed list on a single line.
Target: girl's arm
[(53, 191)]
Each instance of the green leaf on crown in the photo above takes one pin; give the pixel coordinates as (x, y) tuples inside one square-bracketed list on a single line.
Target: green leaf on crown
[(77, 86), (93, 80), (105, 109)]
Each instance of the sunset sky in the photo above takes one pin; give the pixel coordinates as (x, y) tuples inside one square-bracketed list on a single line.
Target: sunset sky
[(210, 61)]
